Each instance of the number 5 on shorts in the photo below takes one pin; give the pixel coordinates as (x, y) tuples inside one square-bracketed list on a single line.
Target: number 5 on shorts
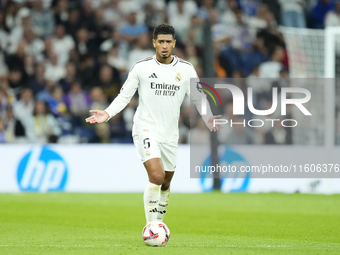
[(146, 143)]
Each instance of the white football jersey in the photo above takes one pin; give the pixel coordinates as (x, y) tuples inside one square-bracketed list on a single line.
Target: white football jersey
[(161, 89)]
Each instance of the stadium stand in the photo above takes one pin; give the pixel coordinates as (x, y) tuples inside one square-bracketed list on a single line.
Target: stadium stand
[(59, 58)]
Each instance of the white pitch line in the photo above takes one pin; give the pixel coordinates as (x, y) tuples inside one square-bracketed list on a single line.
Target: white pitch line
[(190, 245)]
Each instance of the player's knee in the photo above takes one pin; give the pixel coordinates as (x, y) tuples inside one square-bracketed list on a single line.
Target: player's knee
[(157, 178)]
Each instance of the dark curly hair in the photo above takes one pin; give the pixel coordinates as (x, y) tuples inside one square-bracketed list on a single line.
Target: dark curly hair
[(163, 29)]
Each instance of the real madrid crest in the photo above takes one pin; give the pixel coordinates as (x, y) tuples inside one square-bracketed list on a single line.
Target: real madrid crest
[(178, 77), (147, 153)]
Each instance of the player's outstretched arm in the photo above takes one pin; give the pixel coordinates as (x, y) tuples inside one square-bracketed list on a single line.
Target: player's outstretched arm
[(210, 123), (98, 117)]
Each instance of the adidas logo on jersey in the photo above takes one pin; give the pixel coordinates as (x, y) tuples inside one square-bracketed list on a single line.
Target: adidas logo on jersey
[(153, 76)]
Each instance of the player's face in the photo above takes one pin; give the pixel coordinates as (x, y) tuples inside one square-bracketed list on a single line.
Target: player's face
[(164, 44)]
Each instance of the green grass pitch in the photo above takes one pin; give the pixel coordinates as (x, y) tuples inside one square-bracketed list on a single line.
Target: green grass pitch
[(208, 223)]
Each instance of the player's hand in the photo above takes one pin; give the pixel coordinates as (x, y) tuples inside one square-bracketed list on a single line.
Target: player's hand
[(210, 123), (98, 117)]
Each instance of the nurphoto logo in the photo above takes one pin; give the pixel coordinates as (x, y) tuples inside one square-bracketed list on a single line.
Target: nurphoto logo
[(239, 104)]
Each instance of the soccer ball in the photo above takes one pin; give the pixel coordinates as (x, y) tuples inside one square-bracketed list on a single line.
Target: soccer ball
[(156, 233)]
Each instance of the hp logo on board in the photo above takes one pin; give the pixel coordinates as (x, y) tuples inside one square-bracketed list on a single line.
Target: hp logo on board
[(42, 169)]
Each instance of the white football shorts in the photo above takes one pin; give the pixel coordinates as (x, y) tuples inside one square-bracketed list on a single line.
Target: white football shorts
[(148, 148)]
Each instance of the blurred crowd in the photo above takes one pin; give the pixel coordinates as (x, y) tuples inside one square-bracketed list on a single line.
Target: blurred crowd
[(60, 58)]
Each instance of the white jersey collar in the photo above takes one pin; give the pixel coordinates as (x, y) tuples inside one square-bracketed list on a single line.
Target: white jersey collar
[(174, 61)]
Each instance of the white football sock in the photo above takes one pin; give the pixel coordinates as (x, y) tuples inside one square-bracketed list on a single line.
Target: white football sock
[(163, 204), (151, 200)]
